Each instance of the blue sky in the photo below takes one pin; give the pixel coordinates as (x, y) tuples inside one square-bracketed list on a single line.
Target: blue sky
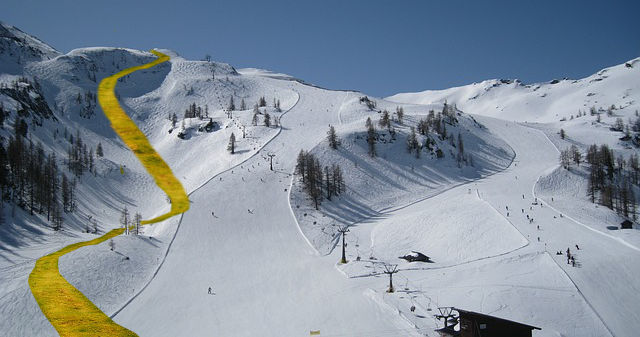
[(378, 47)]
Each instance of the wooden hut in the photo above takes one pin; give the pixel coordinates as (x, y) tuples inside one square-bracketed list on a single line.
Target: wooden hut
[(473, 324)]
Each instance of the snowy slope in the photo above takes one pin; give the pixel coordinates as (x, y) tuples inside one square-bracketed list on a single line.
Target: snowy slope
[(246, 237), (542, 102), (395, 177), (18, 48)]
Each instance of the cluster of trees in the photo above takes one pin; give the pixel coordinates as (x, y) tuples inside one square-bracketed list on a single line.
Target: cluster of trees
[(614, 179), (611, 178), (266, 117), (79, 157), (130, 225), (31, 179), (433, 123), (87, 104), (193, 111), (437, 123), (319, 183)]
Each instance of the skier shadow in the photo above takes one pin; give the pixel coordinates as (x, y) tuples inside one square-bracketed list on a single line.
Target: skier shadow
[(124, 256)]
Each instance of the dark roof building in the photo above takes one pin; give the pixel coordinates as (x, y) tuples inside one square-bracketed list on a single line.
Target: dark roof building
[(473, 324), (626, 224)]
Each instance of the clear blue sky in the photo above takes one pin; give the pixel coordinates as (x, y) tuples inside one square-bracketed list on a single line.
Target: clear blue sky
[(378, 47)]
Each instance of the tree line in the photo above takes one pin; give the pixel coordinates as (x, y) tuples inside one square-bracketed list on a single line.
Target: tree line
[(611, 177), (317, 182), (31, 179)]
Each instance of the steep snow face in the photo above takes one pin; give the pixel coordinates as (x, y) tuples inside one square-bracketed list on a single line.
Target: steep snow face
[(542, 102), (18, 49), (395, 177)]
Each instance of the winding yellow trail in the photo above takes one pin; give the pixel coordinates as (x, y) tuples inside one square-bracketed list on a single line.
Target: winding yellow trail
[(69, 311)]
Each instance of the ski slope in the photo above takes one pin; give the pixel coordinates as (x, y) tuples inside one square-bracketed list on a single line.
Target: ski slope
[(271, 271)]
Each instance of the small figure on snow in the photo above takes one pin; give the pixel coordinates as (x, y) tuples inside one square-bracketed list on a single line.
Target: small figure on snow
[(578, 248), (209, 290)]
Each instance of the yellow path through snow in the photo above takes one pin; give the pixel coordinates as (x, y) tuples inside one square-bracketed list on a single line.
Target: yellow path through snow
[(69, 311)]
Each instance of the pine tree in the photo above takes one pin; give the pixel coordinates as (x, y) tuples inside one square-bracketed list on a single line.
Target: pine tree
[(400, 114), (565, 158), (332, 138), (254, 120), (267, 119), (412, 143), (371, 138), (99, 151), (232, 105), (232, 144), (243, 106), (57, 218), (562, 134), (576, 156), (301, 165), (385, 121), (2, 115), (423, 127), (65, 193), (593, 186), (460, 157), (328, 183)]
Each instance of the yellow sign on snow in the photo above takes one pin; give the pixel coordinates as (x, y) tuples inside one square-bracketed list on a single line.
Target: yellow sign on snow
[(314, 332)]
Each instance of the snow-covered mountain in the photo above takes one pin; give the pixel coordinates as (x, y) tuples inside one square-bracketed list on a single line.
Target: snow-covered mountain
[(616, 86), (253, 235)]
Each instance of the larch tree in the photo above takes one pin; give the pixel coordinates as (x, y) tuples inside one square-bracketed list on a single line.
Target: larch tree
[(332, 138), (124, 220), (371, 138), (400, 114)]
